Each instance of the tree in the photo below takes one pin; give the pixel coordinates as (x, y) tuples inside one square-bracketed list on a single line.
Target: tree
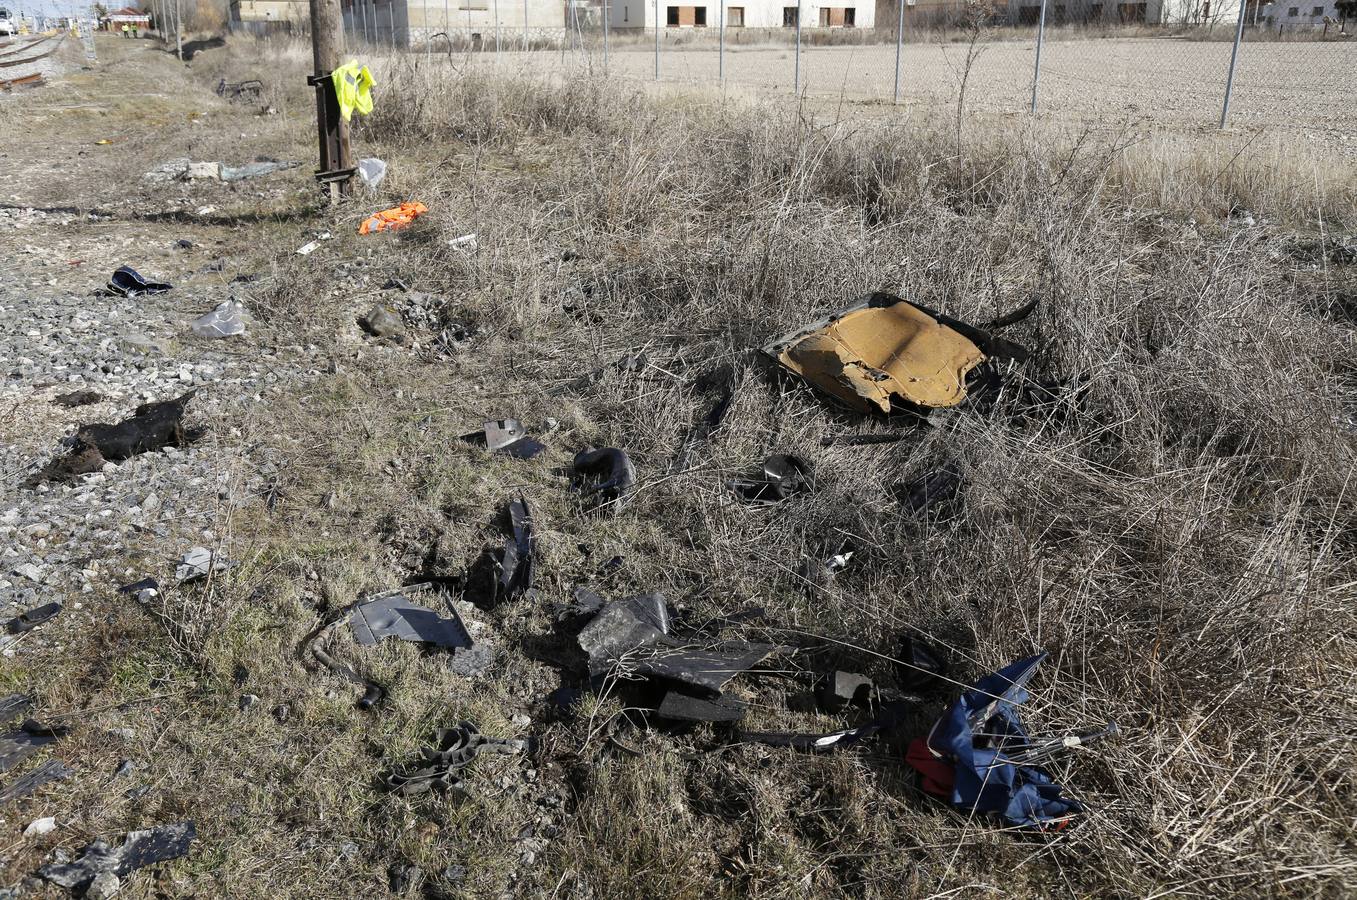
[(1346, 9), (100, 11)]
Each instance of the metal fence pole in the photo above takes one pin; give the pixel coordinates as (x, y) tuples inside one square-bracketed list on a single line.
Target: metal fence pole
[(899, 40), (525, 26), (721, 47), (657, 40), (497, 27), (1036, 74), (605, 33), (1234, 57), (447, 27), (796, 79)]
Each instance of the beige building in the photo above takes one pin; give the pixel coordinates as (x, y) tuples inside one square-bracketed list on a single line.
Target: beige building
[(266, 16)]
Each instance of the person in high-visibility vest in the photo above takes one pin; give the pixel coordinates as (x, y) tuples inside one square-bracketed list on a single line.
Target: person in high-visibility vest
[(126, 30)]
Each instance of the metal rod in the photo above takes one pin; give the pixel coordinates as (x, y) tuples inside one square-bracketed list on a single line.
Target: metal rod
[(1036, 74), (497, 26), (657, 40), (899, 40), (606, 25), (721, 46), (1234, 57), (525, 26), (796, 80), (447, 27)]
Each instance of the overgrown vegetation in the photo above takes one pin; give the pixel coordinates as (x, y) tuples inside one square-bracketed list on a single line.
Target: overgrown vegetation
[(1176, 529)]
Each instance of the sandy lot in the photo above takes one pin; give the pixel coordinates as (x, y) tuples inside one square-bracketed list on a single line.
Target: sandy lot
[(1293, 86)]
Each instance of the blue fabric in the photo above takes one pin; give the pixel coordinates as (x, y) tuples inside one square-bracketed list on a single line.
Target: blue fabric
[(975, 732)]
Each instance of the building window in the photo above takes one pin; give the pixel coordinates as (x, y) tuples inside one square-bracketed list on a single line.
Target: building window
[(1319, 11), (687, 17), (789, 17), (625, 8), (1293, 11), (735, 16), (850, 17), (1095, 12)]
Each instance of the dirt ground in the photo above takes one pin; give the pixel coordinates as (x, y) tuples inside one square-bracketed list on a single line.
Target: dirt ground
[(1283, 91), (1175, 527)]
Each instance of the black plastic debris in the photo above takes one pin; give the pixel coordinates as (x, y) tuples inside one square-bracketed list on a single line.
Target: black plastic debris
[(45, 773), (395, 615), (782, 477), (710, 422), (14, 706), (937, 489), (623, 626), (78, 398), (506, 436), (31, 619), (249, 89), (152, 426), (838, 690), (587, 602), (888, 717), (631, 636), (678, 707), (138, 850), (17, 746), (919, 666), (604, 474), (144, 590), (516, 562), (1014, 317), (444, 763), (128, 282)]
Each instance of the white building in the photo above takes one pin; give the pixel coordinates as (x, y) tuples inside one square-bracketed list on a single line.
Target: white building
[(407, 22), (1142, 12), (624, 14), (1297, 14)]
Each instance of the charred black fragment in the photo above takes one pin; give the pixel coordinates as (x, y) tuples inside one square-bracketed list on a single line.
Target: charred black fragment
[(604, 474)]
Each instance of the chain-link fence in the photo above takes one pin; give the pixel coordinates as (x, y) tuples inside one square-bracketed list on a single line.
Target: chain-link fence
[(1170, 62)]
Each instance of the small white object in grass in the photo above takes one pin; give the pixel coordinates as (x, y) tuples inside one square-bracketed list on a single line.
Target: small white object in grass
[(466, 242), (372, 171), (226, 320), (39, 827), (308, 248)]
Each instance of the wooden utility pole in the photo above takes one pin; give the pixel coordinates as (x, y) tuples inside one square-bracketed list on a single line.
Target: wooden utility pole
[(327, 40)]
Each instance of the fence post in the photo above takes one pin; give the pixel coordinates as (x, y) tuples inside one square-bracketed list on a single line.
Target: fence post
[(657, 40), (1041, 34), (721, 47), (605, 33), (525, 26), (496, 27), (796, 79), (1234, 57), (899, 40)]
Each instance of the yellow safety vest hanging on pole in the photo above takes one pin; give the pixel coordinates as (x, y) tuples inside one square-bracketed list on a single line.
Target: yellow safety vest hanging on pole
[(353, 87)]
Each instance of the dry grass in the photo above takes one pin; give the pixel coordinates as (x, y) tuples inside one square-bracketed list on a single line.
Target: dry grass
[(1180, 537)]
